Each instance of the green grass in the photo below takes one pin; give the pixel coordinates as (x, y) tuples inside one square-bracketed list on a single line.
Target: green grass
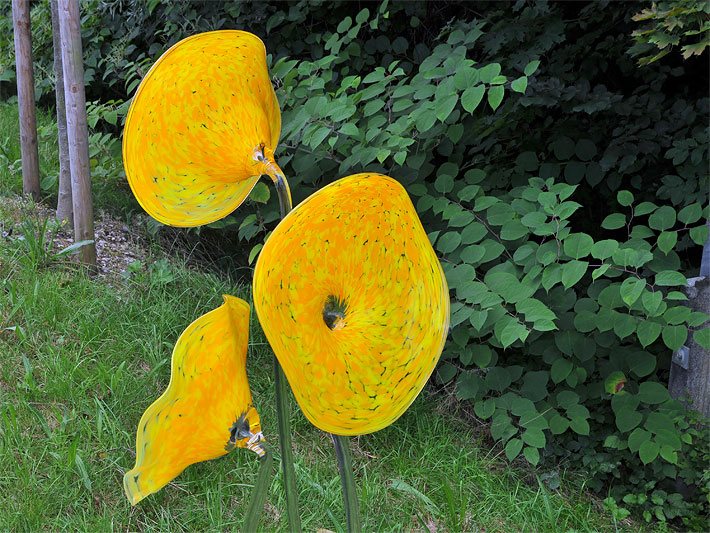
[(82, 359)]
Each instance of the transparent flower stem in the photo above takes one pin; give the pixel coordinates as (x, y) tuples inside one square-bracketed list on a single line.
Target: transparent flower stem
[(345, 467), (282, 405), (261, 489)]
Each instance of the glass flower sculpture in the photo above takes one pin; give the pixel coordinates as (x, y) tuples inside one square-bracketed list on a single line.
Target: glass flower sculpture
[(202, 128), (207, 409), (347, 288), (354, 303)]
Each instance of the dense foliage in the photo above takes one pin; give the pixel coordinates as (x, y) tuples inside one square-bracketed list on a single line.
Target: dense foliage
[(564, 186)]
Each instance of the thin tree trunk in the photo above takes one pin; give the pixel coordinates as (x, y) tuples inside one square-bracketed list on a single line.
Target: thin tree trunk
[(26, 97), (64, 205), (77, 131)]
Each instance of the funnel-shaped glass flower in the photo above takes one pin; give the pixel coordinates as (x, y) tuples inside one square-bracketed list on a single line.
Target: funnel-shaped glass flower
[(206, 411), (354, 303), (202, 128)]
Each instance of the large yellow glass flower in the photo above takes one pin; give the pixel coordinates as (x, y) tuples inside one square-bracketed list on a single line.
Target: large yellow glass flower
[(354, 303), (202, 128), (207, 409)]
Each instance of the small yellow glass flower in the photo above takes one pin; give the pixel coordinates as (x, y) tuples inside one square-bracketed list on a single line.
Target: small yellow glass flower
[(202, 128), (354, 303), (207, 409)]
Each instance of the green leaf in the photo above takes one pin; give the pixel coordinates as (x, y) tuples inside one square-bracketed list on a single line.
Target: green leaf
[(563, 148), (627, 419), (513, 230), (702, 337), (512, 449), (648, 451), (532, 455), (534, 310), (444, 106), (669, 454), (669, 278), (644, 208), (604, 249), (448, 242), (690, 213), (585, 149), (560, 369), (572, 272), (652, 393), (647, 332), (461, 276), (469, 192), (495, 96), (699, 234), (531, 67), (631, 290), (651, 301), (579, 425), (667, 241), (349, 128), (637, 437), (614, 221), (446, 372), (578, 245), (505, 284), (558, 424), (663, 218), (534, 437), (474, 232), (254, 251), (260, 193), (484, 409), (511, 332), (488, 72), (482, 355), (520, 84), (642, 363), (471, 97), (473, 254), (625, 198), (468, 385), (319, 136), (674, 336), (659, 422)]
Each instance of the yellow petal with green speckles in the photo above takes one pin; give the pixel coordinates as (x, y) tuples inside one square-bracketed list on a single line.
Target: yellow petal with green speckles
[(200, 119), (207, 408), (354, 303)]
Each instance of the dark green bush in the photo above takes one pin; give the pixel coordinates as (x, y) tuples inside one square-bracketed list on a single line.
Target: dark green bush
[(564, 187)]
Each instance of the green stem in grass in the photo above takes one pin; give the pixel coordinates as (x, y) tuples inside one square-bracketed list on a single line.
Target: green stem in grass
[(261, 489), (345, 467)]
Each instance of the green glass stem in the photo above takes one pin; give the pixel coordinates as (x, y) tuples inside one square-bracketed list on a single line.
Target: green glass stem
[(282, 406), (261, 489), (284, 425), (345, 467)]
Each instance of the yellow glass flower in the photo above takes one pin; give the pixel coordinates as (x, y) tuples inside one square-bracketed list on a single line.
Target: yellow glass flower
[(354, 303), (207, 409), (202, 128)]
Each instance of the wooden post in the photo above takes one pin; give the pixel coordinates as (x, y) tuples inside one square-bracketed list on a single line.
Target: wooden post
[(77, 131), (64, 202), (26, 97)]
